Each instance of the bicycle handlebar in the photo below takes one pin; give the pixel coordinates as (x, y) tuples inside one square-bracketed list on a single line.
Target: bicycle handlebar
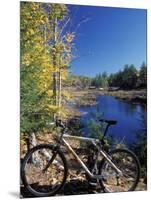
[(59, 123)]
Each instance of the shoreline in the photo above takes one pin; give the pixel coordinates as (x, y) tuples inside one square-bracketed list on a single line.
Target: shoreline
[(131, 96), (88, 97)]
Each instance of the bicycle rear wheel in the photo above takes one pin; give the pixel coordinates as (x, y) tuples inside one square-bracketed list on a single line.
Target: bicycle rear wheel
[(42, 181), (129, 165)]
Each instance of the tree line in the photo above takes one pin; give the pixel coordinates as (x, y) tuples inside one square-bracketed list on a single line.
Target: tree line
[(127, 78)]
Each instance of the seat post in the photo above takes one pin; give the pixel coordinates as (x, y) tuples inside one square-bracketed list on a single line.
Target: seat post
[(106, 129)]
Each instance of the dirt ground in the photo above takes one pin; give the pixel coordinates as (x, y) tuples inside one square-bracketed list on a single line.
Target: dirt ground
[(76, 182)]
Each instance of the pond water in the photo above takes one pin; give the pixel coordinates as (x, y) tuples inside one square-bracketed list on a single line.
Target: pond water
[(128, 116)]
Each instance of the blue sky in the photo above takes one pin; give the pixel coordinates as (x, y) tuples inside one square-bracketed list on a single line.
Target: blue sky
[(109, 39)]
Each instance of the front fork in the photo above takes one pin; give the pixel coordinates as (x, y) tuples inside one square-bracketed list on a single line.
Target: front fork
[(52, 159)]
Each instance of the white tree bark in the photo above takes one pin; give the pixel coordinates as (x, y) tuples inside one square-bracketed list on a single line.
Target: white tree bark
[(33, 143), (36, 158)]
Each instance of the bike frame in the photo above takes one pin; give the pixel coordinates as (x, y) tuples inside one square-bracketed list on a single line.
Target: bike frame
[(99, 151)]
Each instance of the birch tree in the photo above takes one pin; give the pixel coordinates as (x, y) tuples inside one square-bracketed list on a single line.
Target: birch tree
[(46, 51), (36, 70)]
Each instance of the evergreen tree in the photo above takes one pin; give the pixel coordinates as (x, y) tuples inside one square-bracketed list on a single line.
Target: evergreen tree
[(143, 75)]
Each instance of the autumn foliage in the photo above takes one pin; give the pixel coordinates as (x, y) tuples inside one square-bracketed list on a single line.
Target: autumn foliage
[(46, 51)]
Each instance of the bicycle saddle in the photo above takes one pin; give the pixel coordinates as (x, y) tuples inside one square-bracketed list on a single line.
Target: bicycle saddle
[(110, 122)]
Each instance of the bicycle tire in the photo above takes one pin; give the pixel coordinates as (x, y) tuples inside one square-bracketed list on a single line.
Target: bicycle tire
[(23, 172), (112, 155)]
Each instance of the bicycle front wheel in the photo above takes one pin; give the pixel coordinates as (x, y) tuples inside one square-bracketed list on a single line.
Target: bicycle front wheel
[(44, 170), (127, 162)]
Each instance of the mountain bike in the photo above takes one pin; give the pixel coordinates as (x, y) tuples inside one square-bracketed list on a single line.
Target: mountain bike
[(44, 170)]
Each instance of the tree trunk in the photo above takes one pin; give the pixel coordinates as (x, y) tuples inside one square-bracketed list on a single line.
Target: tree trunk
[(59, 95), (54, 63), (32, 142)]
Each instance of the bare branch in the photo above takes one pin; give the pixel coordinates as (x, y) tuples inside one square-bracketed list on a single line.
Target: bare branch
[(64, 26), (81, 22)]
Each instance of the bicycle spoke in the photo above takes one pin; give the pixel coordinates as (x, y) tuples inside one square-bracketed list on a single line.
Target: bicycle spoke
[(126, 162), (44, 171)]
